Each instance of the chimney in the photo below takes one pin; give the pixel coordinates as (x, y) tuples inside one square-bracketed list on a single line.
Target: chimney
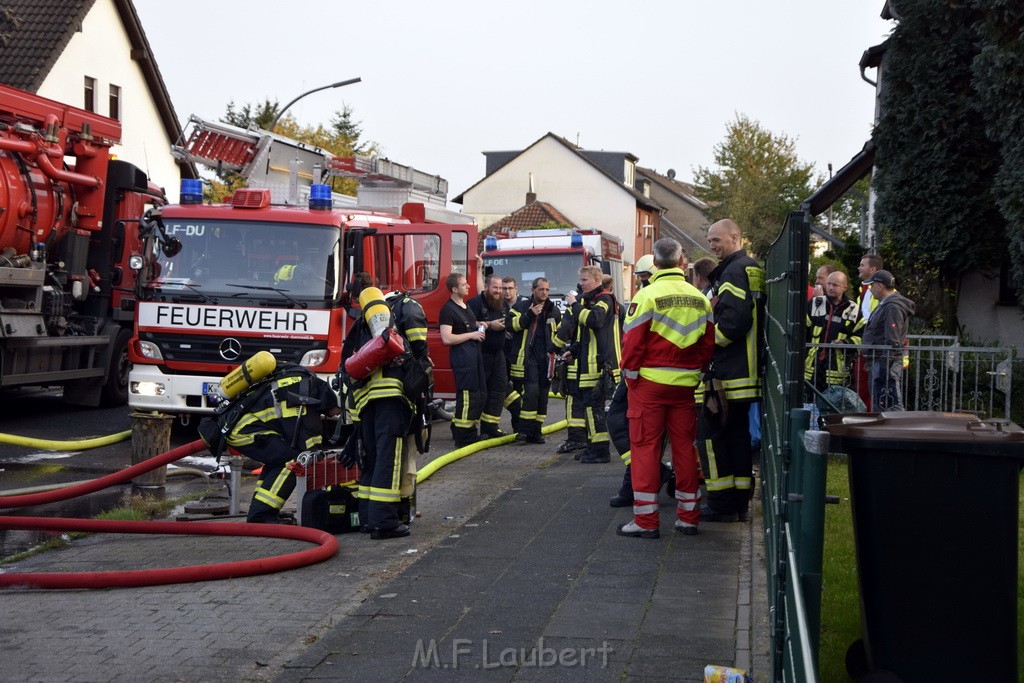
[(531, 196)]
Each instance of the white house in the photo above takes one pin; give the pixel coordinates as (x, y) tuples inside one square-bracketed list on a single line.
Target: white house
[(93, 54), (594, 189)]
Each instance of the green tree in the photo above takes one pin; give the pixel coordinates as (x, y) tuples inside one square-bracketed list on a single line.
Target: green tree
[(759, 180), (998, 71), (935, 178), (262, 114)]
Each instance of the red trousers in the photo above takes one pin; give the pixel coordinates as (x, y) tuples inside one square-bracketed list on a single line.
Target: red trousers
[(654, 409)]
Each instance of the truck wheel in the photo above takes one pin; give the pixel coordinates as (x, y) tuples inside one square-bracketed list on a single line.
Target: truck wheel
[(115, 389)]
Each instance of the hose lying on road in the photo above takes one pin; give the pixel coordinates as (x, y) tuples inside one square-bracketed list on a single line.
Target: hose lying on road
[(82, 445), (459, 453), (328, 544)]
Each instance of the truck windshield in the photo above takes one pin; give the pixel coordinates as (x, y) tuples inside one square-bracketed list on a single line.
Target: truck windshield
[(225, 259), (562, 270)]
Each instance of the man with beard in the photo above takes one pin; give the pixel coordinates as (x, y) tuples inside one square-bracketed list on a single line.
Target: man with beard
[(491, 309), (533, 323), (830, 320)]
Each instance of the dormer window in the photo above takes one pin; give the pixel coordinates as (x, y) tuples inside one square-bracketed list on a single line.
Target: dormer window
[(629, 173)]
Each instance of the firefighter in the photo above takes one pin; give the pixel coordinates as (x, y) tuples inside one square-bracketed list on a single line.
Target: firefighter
[(830, 320), (491, 309), (384, 408), (461, 334), (281, 423), (561, 346), (533, 323), (595, 353), (615, 416), (668, 342), (734, 381)]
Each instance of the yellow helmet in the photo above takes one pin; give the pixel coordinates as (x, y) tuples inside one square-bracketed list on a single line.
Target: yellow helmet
[(285, 272), (644, 264)]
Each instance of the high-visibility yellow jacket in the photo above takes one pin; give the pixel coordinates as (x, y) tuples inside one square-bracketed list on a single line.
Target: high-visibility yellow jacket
[(669, 335)]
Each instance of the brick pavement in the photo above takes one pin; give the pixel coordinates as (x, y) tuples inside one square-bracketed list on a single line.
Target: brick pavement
[(513, 544)]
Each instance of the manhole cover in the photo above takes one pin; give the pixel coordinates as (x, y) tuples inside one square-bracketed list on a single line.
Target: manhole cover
[(207, 507)]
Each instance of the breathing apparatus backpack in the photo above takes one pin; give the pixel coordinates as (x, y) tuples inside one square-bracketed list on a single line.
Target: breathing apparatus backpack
[(214, 430)]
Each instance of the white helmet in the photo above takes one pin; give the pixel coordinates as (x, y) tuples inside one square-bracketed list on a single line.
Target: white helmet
[(645, 264)]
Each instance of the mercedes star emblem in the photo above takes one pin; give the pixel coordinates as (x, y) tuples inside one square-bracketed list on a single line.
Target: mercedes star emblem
[(230, 349)]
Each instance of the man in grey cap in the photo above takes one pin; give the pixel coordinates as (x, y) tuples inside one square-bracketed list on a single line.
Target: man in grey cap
[(887, 326)]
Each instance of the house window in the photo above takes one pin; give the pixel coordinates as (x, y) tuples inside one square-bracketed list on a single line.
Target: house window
[(115, 102), (90, 94), (628, 172)]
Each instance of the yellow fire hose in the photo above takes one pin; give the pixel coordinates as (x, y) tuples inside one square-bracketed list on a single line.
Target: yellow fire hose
[(459, 453), (79, 445)]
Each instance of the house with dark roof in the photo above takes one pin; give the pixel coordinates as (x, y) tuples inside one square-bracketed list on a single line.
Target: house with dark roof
[(590, 188), (684, 218), (93, 54)]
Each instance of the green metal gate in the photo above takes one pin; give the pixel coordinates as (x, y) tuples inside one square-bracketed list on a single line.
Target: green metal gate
[(792, 475)]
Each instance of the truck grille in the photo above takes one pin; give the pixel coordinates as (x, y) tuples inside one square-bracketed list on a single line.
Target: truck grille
[(185, 348)]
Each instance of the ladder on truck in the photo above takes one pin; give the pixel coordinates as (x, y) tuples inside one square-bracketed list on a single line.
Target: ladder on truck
[(268, 160)]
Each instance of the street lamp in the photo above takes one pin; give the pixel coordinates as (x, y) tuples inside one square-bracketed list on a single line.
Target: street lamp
[(309, 92)]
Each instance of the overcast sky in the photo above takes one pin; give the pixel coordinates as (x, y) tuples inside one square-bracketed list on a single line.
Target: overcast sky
[(445, 80)]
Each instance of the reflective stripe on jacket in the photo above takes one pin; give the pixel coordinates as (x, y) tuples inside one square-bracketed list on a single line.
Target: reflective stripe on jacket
[(669, 335)]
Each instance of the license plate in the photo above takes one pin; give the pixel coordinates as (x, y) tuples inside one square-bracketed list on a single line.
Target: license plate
[(208, 387)]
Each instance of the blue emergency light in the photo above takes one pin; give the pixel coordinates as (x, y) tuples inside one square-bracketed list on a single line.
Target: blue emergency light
[(320, 197), (490, 243), (191, 191), (576, 240)]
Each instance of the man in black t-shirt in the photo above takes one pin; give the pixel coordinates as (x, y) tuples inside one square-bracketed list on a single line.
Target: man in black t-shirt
[(463, 337), (491, 309)]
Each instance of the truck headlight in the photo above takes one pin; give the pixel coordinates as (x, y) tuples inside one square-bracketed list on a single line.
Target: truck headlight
[(313, 358), (150, 350), (147, 388), (135, 262)]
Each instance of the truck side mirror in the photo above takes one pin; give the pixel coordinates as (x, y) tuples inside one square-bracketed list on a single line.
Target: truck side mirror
[(171, 247)]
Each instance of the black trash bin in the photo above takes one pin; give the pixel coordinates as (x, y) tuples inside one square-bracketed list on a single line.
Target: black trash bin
[(934, 499)]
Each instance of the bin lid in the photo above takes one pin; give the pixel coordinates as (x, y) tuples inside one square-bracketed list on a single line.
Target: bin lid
[(963, 430)]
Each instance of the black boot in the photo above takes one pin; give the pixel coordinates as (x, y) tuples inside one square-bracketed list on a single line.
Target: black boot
[(668, 480), (464, 436), (624, 498), (596, 453)]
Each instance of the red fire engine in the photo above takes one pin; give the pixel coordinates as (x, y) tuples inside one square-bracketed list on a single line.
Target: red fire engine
[(67, 236), (268, 271)]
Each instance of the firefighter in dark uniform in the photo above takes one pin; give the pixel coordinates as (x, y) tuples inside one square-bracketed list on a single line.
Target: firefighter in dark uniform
[(561, 346), (533, 323), (737, 299), (491, 309), (282, 423), (595, 353), (384, 411), (461, 334)]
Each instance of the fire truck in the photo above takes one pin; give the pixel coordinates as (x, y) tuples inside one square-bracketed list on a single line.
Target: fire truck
[(555, 254), (69, 232), (268, 270)]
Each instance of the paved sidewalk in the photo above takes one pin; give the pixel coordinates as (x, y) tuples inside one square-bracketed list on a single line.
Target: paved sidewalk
[(513, 562)]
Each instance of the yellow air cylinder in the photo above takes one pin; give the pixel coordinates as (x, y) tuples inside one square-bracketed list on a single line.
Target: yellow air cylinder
[(258, 366), (375, 311)]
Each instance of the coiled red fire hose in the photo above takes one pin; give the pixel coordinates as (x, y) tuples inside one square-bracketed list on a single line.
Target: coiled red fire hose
[(327, 544)]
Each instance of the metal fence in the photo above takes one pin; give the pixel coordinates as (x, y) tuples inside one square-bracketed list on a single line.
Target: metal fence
[(931, 373), (792, 478)]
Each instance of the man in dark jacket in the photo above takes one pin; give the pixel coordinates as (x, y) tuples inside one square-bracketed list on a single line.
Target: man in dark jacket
[(533, 323), (595, 354), (830, 320), (887, 326), (491, 309), (283, 422), (734, 381)]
